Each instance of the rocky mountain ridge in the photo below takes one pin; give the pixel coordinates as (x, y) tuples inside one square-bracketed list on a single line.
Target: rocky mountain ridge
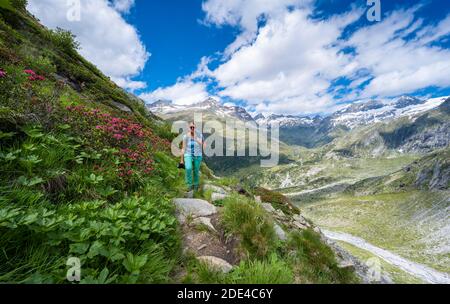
[(351, 116)]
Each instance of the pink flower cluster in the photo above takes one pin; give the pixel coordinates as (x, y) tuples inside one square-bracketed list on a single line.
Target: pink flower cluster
[(120, 128), (136, 143), (3, 74), (33, 76)]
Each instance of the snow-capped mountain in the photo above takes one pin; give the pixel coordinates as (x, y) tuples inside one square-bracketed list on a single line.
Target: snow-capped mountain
[(284, 121), (167, 109), (351, 116), (360, 114)]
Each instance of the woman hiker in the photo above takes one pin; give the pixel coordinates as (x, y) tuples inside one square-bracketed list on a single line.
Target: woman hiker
[(191, 156)]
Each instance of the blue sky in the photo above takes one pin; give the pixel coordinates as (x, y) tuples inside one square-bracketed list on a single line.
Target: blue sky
[(279, 56)]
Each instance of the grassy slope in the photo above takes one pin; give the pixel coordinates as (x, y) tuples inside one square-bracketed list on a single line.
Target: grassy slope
[(303, 259), (69, 188)]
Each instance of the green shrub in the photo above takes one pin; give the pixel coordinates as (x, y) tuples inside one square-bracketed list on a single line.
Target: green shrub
[(19, 4), (314, 262), (64, 40), (248, 220), (95, 232), (42, 65), (277, 200), (271, 271)]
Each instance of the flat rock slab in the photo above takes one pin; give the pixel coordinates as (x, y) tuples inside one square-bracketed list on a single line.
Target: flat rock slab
[(194, 207), (121, 106), (216, 263)]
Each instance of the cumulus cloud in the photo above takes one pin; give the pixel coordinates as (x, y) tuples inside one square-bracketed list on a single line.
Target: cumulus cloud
[(106, 38), (184, 92), (400, 66), (246, 14), (123, 5), (290, 62), (187, 90)]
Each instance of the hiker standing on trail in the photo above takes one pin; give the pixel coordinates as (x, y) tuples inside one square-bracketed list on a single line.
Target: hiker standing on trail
[(191, 156)]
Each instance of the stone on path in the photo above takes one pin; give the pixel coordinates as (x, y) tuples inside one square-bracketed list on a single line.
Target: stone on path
[(216, 263), (193, 208), (205, 222)]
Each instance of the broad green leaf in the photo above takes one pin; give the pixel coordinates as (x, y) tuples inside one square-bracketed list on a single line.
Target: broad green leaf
[(79, 248), (95, 250)]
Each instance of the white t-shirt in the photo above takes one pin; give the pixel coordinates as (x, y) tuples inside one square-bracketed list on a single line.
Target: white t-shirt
[(192, 147)]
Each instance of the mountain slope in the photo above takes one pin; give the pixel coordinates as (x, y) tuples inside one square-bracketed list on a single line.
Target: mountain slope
[(421, 132), (86, 170)]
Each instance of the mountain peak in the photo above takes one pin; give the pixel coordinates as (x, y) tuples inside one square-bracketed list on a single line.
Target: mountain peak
[(259, 116), (161, 103), (210, 102), (406, 101)]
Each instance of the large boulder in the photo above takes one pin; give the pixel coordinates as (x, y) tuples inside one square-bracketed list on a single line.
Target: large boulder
[(121, 106), (194, 208)]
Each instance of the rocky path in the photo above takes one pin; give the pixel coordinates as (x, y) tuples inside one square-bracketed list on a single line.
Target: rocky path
[(203, 235), (418, 270)]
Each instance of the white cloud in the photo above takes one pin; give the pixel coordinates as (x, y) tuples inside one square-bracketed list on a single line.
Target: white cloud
[(123, 5), (106, 38), (188, 90), (129, 84), (245, 14), (400, 66), (289, 64), (184, 92)]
